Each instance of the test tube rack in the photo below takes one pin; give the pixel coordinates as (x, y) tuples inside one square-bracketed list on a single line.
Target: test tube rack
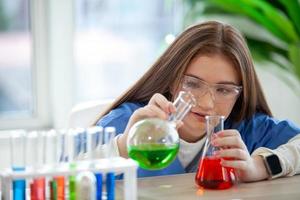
[(118, 165)]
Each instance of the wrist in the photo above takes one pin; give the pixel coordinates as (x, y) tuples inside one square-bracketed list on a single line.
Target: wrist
[(262, 172)]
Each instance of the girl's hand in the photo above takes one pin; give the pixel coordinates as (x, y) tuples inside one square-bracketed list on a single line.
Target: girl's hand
[(232, 147), (158, 107)]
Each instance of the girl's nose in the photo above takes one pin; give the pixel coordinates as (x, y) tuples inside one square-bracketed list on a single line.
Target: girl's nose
[(206, 101)]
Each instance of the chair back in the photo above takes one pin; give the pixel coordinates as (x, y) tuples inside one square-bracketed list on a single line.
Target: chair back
[(84, 114)]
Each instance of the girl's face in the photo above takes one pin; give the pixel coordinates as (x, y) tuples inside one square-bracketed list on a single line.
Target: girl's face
[(214, 81)]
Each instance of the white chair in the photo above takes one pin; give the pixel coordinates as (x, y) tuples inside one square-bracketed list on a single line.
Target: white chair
[(84, 114)]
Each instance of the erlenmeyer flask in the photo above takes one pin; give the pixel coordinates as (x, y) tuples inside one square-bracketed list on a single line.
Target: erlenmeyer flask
[(211, 174), (153, 142)]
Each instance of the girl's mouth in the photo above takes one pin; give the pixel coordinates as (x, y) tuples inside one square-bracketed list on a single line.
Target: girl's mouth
[(199, 116)]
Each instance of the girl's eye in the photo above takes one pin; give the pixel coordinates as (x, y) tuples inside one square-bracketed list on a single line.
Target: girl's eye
[(191, 84), (224, 90)]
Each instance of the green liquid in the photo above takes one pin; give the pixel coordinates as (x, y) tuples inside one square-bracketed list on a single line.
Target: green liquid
[(153, 156)]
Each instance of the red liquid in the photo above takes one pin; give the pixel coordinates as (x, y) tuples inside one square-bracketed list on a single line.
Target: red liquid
[(212, 175), (37, 187)]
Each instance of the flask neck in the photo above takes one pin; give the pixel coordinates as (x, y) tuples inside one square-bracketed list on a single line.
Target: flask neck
[(214, 124), (183, 104)]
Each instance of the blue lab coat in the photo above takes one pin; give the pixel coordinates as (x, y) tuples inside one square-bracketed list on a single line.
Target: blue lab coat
[(260, 130)]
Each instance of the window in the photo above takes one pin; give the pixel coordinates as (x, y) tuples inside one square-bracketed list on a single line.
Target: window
[(116, 41), (48, 62), (21, 102), (16, 95)]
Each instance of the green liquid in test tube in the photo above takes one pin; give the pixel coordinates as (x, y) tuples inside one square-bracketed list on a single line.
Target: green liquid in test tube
[(75, 149), (72, 184)]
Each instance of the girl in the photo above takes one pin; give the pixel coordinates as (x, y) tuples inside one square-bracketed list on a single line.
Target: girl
[(212, 61)]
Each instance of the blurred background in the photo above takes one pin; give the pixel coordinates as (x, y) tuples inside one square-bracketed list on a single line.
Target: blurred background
[(57, 54)]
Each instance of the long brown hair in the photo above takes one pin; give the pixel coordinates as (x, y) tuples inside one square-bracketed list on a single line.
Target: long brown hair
[(206, 38)]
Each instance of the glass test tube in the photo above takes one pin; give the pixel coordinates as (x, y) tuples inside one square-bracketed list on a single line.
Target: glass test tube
[(58, 182), (95, 135), (80, 146), (17, 150), (17, 145), (61, 145), (74, 150), (109, 134), (31, 150), (51, 156), (37, 187)]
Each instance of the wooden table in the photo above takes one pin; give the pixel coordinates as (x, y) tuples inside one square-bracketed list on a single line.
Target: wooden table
[(183, 187)]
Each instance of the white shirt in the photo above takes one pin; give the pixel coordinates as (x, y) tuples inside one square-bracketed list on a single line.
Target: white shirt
[(188, 151), (289, 155)]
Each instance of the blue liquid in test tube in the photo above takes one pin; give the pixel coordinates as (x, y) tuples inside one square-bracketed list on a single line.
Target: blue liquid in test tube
[(17, 149), (94, 136), (109, 134)]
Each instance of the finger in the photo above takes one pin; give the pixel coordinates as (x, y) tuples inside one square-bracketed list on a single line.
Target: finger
[(236, 164), (149, 111), (237, 154), (227, 132), (231, 141), (162, 102), (156, 112)]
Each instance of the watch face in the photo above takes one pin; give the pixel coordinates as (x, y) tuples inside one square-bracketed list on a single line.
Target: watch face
[(274, 164)]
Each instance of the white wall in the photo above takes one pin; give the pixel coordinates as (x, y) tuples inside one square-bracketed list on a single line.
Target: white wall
[(284, 101)]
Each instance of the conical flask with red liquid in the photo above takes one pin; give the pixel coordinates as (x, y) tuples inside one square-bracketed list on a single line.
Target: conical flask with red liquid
[(211, 174)]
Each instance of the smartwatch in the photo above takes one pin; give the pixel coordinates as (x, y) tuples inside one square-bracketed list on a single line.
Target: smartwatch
[(272, 164)]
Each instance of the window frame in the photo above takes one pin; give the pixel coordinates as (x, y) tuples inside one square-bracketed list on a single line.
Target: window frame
[(50, 68), (39, 116)]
